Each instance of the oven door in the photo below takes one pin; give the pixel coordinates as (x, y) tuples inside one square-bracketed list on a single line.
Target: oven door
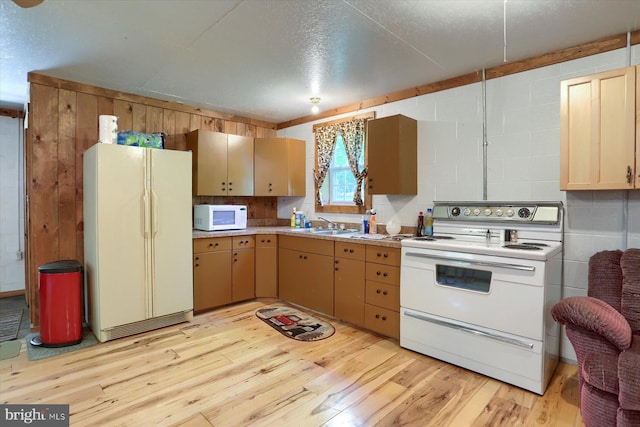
[(503, 294)]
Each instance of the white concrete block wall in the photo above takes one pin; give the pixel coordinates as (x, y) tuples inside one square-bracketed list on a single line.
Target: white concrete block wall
[(523, 130), (11, 205)]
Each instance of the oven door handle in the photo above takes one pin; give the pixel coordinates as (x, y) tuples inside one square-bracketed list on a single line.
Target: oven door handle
[(507, 340), (471, 263)]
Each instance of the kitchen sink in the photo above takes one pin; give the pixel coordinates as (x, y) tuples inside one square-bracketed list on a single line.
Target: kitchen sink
[(325, 231), (334, 231)]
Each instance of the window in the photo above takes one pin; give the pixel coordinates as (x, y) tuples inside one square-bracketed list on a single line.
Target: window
[(339, 186), (340, 165)]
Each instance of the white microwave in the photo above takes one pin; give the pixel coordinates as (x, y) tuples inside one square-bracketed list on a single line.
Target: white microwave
[(219, 217)]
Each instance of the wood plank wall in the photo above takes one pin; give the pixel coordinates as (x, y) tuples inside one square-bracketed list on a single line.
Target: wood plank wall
[(62, 124)]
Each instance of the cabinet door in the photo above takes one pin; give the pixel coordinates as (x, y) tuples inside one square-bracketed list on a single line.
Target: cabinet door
[(290, 281), (392, 155), (349, 290), (270, 167), (316, 279), (209, 162), (211, 279), (243, 275), (240, 165), (296, 160), (266, 266), (597, 131)]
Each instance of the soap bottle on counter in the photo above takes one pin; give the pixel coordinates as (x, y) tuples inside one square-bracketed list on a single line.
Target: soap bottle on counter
[(293, 218), (420, 230), (373, 227), (428, 223)]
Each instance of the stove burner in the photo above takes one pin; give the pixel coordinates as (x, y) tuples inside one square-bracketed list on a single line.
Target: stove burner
[(433, 238), (535, 244), (523, 246)]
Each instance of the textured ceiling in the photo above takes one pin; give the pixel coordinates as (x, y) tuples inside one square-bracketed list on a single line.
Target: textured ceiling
[(264, 59)]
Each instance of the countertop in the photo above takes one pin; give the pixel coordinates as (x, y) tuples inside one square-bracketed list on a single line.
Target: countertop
[(288, 231)]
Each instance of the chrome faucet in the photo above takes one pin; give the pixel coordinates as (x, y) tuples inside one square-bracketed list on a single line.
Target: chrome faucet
[(331, 223)]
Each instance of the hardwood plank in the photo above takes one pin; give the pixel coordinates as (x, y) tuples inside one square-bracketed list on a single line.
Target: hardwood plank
[(183, 126), (67, 164), (43, 204), (169, 129), (154, 119), (124, 111), (228, 368), (139, 118)]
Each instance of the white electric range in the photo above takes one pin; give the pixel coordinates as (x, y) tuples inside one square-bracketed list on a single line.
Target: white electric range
[(478, 293)]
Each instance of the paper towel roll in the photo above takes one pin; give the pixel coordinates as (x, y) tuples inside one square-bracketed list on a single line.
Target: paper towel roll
[(108, 129)]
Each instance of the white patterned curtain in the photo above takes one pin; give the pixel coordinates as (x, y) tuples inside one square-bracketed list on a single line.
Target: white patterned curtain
[(325, 145), (353, 133)]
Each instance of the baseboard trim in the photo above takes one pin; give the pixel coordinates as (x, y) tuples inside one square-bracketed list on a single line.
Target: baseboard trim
[(8, 294)]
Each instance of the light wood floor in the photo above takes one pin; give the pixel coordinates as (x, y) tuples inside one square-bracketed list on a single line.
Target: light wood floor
[(228, 368)]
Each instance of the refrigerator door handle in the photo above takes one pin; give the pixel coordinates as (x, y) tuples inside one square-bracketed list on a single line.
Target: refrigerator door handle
[(145, 213), (154, 213)]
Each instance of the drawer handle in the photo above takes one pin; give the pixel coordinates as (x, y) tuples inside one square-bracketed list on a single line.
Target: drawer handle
[(350, 251), (386, 255), (197, 258), (385, 293), (378, 291), (197, 265), (346, 250), (385, 274)]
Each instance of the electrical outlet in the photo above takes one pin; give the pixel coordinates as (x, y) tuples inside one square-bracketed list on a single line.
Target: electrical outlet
[(19, 255)]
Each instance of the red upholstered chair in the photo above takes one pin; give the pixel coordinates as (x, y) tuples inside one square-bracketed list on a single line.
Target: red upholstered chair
[(604, 329)]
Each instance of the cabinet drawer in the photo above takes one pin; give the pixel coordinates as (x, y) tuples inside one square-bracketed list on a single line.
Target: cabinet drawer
[(243, 242), (354, 251), (311, 245), (382, 320), (383, 295), (383, 273), (266, 241), (383, 255), (212, 244)]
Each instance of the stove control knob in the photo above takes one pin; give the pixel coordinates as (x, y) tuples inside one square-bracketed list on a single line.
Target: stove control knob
[(487, 212), (476, 211), (498, 212), (455, 211), (524, 212), (467, 212), (510, 212)]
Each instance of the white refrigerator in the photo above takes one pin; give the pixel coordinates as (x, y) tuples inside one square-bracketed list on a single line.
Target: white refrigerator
[(137, 239)]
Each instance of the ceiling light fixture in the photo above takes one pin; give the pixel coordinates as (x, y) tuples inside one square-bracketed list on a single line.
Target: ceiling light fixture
[(315, 101)]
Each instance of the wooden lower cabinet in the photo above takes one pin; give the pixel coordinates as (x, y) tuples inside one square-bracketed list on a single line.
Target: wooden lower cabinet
[(267, 266), (223, 271), (243, 268), (349, 282), (305, 272), (211, 273)]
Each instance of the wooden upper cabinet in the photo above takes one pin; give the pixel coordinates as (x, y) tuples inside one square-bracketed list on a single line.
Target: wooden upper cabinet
[(279, 167), (598, 145), (392, 157), (222, 163)]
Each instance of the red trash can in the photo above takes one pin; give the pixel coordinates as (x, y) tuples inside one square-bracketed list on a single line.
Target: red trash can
[(60, 290)]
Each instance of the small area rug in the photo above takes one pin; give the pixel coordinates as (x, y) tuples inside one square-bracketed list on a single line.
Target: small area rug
[(294, 323), (10, 349), (36, 352), (10, 324)]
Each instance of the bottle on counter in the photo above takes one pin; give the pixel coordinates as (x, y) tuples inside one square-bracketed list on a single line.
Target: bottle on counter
[(373, 227), (428, 223), (420, 230), (293, 218)]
